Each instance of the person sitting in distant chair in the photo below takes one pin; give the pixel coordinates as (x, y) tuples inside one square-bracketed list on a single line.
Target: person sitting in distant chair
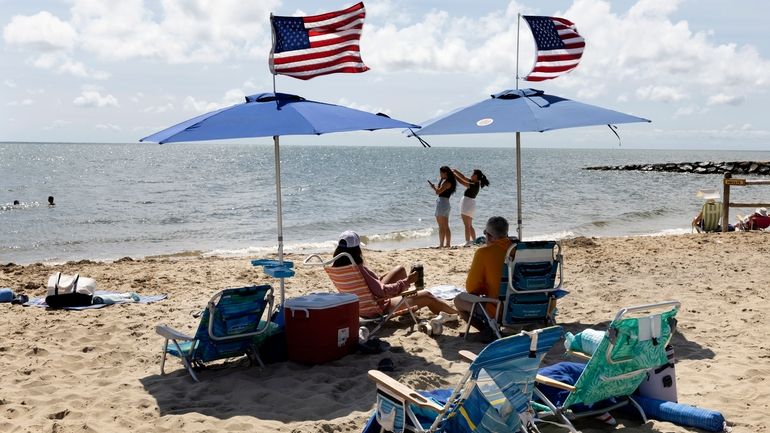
[(50, 201), (710, 213), (759, 220)]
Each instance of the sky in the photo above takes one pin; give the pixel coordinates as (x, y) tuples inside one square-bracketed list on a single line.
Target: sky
[(117, 70)]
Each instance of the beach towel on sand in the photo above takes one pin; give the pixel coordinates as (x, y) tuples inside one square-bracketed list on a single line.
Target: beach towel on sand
[(106, 298)]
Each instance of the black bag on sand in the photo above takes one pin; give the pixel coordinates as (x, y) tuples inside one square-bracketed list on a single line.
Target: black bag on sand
[(69, 291)]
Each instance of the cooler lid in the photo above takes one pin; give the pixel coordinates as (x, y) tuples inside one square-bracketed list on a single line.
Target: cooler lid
[(320, 301)]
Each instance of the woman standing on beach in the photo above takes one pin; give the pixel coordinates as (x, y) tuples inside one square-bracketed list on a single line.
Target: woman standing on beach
[(468, 202), (447, 185)]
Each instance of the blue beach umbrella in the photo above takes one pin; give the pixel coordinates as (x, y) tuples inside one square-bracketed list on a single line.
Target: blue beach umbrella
[(275, 114), (523, 110)]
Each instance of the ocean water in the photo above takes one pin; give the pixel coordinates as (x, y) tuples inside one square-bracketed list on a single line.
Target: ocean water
[(116, 200)]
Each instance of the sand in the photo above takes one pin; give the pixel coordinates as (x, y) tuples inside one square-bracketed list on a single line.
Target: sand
[(98, 370)]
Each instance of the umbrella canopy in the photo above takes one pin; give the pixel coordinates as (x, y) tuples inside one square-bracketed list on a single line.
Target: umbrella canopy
[(275, 114), (523, 110)]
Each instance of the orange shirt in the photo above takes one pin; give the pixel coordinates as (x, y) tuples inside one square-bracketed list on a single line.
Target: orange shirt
[(486, 269)]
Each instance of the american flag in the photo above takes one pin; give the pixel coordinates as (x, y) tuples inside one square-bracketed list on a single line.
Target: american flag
[(559, 47), (306, 47)]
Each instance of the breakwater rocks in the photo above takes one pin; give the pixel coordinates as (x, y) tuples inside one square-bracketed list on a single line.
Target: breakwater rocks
[(706, 167)]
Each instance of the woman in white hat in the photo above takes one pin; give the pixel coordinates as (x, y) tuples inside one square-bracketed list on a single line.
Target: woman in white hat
[(759, 220), (387, 288)]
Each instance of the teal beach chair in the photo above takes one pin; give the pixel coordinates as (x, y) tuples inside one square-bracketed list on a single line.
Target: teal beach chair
[(634, 343), (530, 285), (230, 326), (494, 395)]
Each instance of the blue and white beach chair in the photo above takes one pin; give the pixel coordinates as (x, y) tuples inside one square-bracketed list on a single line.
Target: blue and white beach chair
[(529, 287), (492, 396), (532, 285), (230, 326)]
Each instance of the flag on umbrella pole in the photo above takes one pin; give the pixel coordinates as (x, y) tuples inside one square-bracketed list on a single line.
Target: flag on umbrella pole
[(306, 47), (559, 47)]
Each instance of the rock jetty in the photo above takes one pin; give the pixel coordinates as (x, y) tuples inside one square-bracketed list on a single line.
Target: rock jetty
[(705, 167)]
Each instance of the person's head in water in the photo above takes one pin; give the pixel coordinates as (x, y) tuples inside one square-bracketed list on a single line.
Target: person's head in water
[(479, 177), (15, 202), (50, 201)]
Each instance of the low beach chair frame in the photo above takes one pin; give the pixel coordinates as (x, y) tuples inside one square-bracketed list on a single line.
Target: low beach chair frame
[(711, 217), (563, 413), (399, 397), (508, 290), (190, 358), (366, 299)]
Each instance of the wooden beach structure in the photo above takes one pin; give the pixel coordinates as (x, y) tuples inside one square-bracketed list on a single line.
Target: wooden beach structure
[(729, 182)]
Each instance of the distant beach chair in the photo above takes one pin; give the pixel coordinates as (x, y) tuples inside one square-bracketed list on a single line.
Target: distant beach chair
[(230, 326), (528, 287), (348, 279), (494, 395), (629, 348), (710, 216)]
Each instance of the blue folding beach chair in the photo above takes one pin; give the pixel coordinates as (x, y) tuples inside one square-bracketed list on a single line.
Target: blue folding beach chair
[(529, 287), (230, 326), (493, 395), (532, 283)]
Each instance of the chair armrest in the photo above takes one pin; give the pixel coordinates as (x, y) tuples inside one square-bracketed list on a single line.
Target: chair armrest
[(410, 292), (172, 334), (554, 383), (581, 355), (394, 387), (466, 355), (476, 298)]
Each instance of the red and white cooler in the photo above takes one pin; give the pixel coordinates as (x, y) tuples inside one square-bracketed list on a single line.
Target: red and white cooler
[(321, 327)]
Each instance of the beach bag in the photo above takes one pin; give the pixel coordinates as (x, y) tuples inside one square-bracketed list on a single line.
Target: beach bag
[(69, 291)]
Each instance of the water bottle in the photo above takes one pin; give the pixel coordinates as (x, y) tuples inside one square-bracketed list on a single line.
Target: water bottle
[(420, 283)]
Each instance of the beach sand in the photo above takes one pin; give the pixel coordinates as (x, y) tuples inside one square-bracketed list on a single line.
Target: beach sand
[(98, 370)]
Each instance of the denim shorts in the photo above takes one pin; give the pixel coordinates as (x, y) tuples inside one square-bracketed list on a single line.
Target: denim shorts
[(442, 207)]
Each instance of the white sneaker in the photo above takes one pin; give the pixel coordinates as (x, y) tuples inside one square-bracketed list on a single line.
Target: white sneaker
[(468, 243), (444, 318)]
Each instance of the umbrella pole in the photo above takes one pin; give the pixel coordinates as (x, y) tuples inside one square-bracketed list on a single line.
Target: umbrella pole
[(276, 143), (518, 182)]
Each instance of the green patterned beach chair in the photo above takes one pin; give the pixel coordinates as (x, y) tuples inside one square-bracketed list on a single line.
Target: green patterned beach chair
[(230, 326), (634, 343)]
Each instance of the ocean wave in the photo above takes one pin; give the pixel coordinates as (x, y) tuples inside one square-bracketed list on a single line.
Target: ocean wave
[(404, 235), (297, 248)]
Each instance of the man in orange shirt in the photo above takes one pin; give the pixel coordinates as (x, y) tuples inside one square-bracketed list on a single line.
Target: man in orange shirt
[(485, 274)]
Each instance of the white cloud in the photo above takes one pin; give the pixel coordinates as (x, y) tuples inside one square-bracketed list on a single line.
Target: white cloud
[(642, 48), (182, 32), (57, 124), (159, 108), (108, 127), (23, 102), (62, 63), (660, 93), (10, 83), (94, 99), (231, 97), (725, 99), (363, 107), (42, 31)]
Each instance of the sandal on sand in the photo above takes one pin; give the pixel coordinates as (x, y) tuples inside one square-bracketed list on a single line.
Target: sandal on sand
[(20, 299), (373, 346), (386, 364)]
